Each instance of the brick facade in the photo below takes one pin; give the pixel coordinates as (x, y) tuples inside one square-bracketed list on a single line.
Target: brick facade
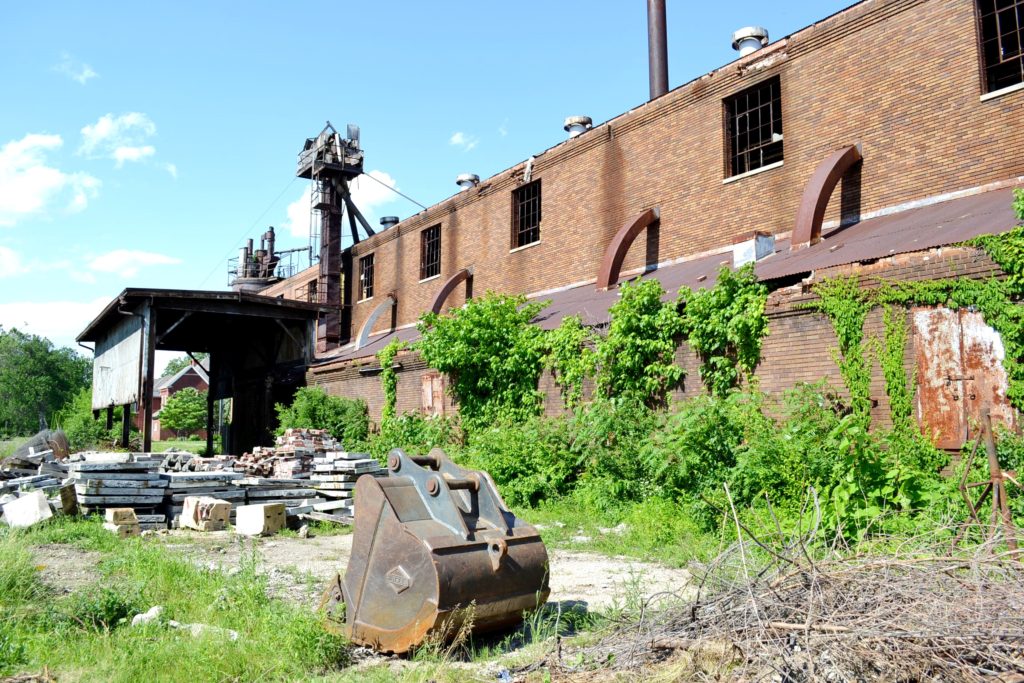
[(899, 77)]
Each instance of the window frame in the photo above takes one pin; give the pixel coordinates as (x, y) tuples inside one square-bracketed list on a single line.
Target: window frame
[(518, 202), (366, 264), (984, 68), (774, 125), (430, 269)]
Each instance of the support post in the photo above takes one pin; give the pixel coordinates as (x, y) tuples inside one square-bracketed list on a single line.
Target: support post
[(209, 407), (126, 426), (110, 417), (149, 331)]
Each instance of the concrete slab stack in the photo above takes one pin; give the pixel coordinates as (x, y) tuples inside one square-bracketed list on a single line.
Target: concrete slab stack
[(335, 474), (117, 480), (180, 485)]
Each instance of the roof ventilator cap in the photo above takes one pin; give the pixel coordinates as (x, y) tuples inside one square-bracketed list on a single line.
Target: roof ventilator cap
[(577, 125), (389, 222), (749, 39), (467, 180)]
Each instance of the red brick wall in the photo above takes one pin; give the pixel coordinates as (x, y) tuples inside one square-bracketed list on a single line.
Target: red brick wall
[(799, 346), (900, 77)]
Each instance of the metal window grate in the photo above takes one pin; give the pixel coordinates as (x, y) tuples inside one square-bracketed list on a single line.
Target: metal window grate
[(311, 295), (1002, 42), (430, 252), (366, 277), (755, 127), (526, 214)]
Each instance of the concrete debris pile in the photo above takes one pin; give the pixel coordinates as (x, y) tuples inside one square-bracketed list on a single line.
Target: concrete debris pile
[(204, 513), (335, 474), (181, 485), (183, 461), (291, 457), (292, 493), (117, 480)]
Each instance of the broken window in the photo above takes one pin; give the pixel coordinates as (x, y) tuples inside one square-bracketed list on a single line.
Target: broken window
[(366, 277), (754, 126), (526, 214), (430, 252), (1002, 42), (311, 296)]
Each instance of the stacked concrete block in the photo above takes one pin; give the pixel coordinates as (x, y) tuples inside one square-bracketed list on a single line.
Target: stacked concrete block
[(181, 485), (260, 520), (114, 480), (204, 513), (335, 474), (122, 522)]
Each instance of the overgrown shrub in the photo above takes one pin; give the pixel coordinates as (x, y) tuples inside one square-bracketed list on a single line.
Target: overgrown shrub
[(492, 354), (312, 408), (76, 419), (416, 433)]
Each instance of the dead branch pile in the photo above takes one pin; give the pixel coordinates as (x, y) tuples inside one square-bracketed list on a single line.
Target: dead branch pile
[(909, 613)]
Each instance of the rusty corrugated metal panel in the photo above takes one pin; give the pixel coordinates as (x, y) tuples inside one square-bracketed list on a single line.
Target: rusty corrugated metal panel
[(983, 356), (937, 225), (940, 409)]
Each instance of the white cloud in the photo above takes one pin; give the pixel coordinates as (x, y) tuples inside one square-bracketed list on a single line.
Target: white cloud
[(368, 195), (128, 262), (123, 154), (10, 263), (58, 321), (172, 169), (466, 142), (503, 128), (77, 71), (121, 138), (28, 185)]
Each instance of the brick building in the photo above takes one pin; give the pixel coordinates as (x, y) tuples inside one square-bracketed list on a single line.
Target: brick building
[(868, 142)]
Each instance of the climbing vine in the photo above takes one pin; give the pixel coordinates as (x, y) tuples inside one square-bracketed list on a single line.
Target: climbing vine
[(389, 379), (890, 357), (637, 357), (492, 354), (571, 357), (847, 304), (725, 326)]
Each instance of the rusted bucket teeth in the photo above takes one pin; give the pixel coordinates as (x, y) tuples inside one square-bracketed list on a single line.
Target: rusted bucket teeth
[(434, 550)]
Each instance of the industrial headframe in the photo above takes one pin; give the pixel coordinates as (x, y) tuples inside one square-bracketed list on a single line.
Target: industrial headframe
[(331, 161)]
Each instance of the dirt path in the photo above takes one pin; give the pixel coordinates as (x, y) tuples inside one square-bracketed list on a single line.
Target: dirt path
[(298, 568)]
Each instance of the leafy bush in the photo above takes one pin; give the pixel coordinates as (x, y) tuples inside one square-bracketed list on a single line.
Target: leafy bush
[(416, 433), (637, 357), (529, 461), (79, 425), (312, 408), (571, 358), (492, 353)]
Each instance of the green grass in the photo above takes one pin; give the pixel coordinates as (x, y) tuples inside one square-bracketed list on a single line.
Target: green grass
[(654, 530), (84, 636), (8, 446), (179, 445)]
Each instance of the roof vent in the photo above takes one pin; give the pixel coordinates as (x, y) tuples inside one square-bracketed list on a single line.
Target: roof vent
[(578, 125), (467, 180), (389, 222), (749, 39)]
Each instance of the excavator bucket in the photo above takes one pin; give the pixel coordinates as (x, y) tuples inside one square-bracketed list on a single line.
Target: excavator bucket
[(434, 549)]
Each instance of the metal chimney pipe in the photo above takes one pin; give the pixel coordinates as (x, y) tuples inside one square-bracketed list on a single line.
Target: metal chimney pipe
[(657, 47)]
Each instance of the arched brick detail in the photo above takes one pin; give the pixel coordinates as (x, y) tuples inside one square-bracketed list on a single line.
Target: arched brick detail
[(364, 331), (817, 192), (615, 254), (464, 275)]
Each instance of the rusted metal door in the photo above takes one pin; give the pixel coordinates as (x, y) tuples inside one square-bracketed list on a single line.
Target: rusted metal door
[(432, 397), (959, 372)]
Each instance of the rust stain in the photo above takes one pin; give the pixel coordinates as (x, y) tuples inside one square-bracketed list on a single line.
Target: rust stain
[(983, 356), (940, 410)]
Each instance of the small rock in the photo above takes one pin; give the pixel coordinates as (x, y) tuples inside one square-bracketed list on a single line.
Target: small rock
[(304, 531), (148, 532), (234, 571), (560, 525), (581, 539), (148, 617), (203, 629)]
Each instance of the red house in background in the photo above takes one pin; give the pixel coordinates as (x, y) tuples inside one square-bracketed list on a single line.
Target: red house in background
[(193, 375)]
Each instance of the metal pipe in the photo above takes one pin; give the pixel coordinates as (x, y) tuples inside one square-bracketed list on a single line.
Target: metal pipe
[(657, 47)]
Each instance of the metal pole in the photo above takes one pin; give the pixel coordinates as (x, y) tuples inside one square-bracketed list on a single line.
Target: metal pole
[(657, 47)]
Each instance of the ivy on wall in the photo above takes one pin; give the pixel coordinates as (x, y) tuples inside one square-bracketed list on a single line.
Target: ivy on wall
[(725, 327), (389, 379), (571, 357)]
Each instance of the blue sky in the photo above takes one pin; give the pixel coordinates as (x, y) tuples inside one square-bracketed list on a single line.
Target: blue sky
[(141, 143)]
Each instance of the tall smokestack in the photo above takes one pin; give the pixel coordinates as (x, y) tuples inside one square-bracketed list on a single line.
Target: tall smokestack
[(657, 47)]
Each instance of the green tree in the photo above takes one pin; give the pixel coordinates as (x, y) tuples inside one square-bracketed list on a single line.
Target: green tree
[(176, 364), (36, 380), (184, 411)]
